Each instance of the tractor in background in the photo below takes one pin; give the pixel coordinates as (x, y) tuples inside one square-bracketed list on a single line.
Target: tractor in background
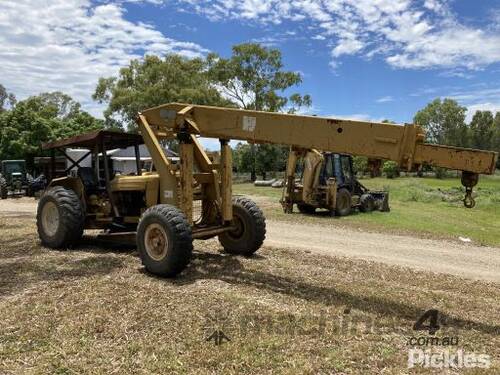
[(14, 180)]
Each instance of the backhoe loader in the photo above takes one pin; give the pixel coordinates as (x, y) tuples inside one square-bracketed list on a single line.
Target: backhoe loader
[(327, 180), (166, 209)]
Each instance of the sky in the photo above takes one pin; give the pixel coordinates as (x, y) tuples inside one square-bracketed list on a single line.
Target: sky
[(362, 59)]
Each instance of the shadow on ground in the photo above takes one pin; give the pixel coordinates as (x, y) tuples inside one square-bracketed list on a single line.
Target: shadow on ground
[(229, 269), (17, 274)]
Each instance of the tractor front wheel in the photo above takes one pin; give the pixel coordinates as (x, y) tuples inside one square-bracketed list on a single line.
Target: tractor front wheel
[(60, 218), (250, 228), (164, 240)]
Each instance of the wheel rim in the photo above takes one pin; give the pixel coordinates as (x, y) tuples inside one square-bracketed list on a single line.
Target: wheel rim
[(156, 241), (50, 218)]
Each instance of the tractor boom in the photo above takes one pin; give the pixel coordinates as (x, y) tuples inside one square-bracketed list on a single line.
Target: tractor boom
[(403, 144)]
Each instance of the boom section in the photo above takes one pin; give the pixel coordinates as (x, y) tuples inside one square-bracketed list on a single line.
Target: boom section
[(403, 144)]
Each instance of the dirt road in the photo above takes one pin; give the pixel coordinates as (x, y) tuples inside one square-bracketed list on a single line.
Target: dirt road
[(18, 207), (465, 260)]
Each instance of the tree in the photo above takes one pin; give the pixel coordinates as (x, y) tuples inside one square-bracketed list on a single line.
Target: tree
[(21, 133), (270, 158), (253, 77), (391, 169), (482, 130), (153, 81), (39, 119), (242, 157), (444, 122), (495, 143), (297, 101), (51, 105), (6, 98)]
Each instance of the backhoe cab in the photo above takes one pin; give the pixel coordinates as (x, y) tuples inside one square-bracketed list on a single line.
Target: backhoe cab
[(327, 181)]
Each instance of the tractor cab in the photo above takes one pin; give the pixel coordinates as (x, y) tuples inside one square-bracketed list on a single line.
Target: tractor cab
[(13, 178), (111, 199), (338, 166)]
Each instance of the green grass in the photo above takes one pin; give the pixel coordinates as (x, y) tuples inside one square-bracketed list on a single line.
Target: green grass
[(426, 206)]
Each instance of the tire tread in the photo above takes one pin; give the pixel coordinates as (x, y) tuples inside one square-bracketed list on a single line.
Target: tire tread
[(182, 239), (72, 217), (259, 226)]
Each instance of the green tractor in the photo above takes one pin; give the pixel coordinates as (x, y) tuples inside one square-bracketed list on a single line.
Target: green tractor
[(14, 179)]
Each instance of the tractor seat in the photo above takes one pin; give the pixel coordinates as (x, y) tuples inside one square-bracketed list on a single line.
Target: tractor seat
[(87, 175)]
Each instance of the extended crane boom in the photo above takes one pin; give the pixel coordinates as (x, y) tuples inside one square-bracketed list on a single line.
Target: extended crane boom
[(403, 144)]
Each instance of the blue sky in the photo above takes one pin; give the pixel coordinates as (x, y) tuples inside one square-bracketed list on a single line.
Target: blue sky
[(369, 59)]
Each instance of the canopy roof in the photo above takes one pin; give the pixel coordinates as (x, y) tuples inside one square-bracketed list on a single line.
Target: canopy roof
[(111, 139)]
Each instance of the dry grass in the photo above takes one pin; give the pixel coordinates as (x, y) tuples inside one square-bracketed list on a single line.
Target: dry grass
[(94, 310)]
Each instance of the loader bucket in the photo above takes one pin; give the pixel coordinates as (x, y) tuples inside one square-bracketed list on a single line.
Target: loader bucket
[(381, 200)]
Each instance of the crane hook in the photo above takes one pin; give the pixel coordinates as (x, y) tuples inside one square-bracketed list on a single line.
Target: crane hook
[(469, 180), (468, 200)]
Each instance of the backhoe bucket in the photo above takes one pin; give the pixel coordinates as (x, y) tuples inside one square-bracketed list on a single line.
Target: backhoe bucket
[(381, 200)]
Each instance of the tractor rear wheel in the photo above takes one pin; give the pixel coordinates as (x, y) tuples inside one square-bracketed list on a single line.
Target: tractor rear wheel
[(60, 218), (343, 205), (250, 228), (3, 188), (164, 240), (306, 208), (366, 203)]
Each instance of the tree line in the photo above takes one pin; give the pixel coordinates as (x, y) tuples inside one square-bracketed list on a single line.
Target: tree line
[(444, 122), (252, 77), (26, 124)]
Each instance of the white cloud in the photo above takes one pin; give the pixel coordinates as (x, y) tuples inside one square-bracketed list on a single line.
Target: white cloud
[(483, 98), (475, 97), (408, 34), (385, 99), (488, 106), (347, 47), (318, 37), (356, 116), (67, 45)]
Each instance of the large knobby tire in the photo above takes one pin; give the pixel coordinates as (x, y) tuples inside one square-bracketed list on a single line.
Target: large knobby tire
[(366, 203), (60, 218), (164, 240), (250, 230), (343, 205), (306, 208), (3, 188)]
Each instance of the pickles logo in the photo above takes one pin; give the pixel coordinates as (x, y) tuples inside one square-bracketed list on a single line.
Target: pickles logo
[(435, 355), (447, 359)]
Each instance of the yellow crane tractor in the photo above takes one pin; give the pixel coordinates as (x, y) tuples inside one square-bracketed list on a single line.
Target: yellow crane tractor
[(157, 207)]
